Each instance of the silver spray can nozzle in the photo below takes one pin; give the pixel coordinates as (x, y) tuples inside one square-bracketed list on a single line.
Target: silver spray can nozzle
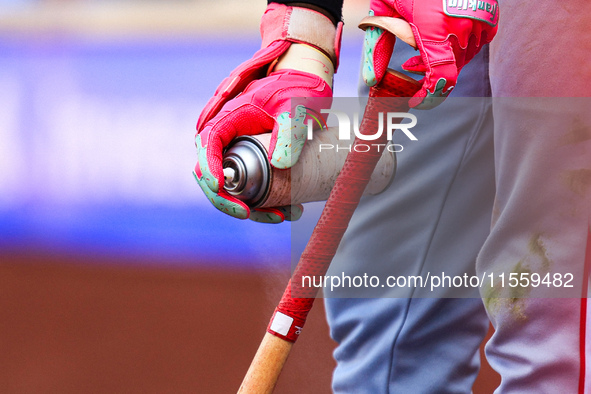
[(247, 171)]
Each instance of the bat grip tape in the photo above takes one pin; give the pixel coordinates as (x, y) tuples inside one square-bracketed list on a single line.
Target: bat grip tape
[(297, 300)]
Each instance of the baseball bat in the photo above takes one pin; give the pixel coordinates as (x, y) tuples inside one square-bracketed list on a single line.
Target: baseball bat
[(290, 315)]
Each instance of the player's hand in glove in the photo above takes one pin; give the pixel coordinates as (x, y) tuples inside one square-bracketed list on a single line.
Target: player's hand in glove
[(448, 34), (300, 47)]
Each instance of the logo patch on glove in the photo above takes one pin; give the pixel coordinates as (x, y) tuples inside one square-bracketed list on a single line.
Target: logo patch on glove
[(483, 10)]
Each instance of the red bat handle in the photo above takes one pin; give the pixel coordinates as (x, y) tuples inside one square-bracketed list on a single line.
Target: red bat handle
[(290, 314)]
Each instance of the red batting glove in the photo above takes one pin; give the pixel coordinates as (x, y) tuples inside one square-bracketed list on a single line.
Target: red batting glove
[(263, 107), (448, 34), (249, 102)]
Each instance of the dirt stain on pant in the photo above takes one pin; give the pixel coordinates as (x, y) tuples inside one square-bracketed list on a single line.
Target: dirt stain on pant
[(503, 298), (578, 132), (578, 181)]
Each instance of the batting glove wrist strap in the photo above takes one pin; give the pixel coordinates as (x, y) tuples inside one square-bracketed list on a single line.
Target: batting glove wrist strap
[(303, 25)]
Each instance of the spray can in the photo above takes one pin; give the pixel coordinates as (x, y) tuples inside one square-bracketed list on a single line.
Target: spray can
[(250, 177)]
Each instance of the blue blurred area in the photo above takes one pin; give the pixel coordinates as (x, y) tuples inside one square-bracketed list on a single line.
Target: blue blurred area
[(145, 236), (96, 150), (7, 4)]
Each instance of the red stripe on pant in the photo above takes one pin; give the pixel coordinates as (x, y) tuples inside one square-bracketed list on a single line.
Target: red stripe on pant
[(583, 321)]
